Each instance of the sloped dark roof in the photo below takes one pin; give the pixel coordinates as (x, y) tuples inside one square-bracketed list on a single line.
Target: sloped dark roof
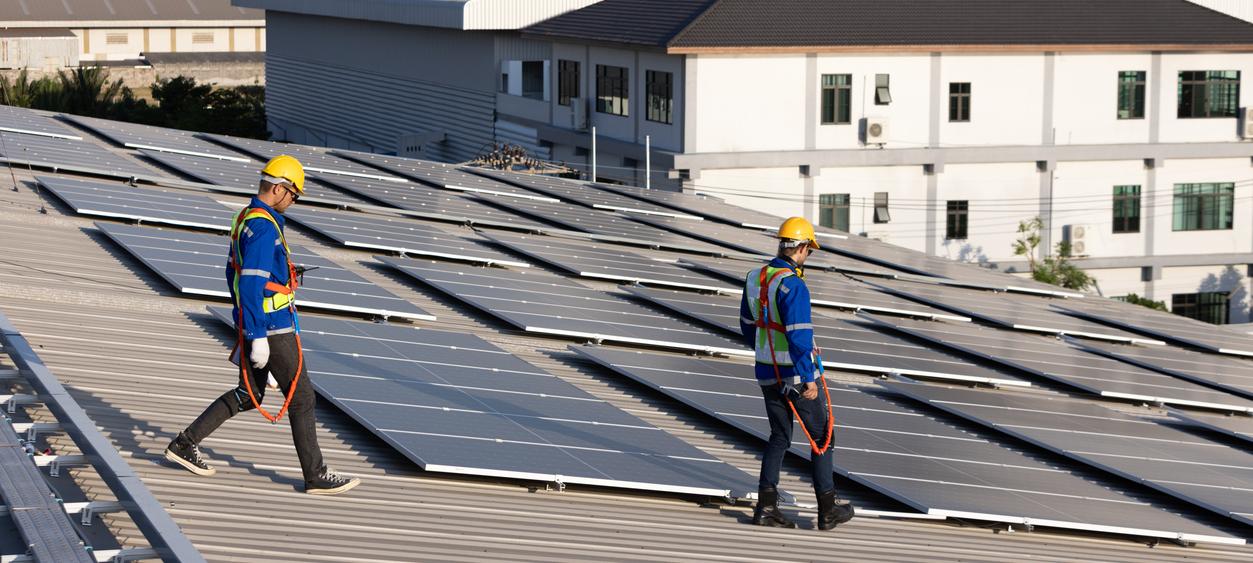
[(683, 25)]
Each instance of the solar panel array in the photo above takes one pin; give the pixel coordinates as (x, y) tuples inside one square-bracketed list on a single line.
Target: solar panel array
[(69, 155), (162, 139), (315, 160), (439, 175), (1239, 427), (1166, 326), (196, 264), (1208, 474), (706, 206), (581, 193), (454, 403), (243, 177), (167, 207), (915, 457), (31, 122), (1231, 374), (419, 200)]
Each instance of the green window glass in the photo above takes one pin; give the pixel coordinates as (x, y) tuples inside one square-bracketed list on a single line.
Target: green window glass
[(1208, 306), (833, 211), (837, 99), (1131, 94), (957, 219), (1209, 93), (959, 101), (1203, 207), (1126, 209)]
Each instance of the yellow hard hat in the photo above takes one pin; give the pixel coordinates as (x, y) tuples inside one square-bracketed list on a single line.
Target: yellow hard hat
[(797, 228), (284, 167)]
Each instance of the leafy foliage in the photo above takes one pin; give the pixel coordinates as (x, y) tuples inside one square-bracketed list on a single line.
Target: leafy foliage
[(1056, 268), (1143, 301)]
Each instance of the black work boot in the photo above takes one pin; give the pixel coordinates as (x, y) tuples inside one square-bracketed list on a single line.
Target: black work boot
[(767, 512), (831, 512), (187, 454), (330, 483)]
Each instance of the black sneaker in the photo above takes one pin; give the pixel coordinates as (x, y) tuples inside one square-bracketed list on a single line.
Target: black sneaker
[(330, 483), (183, 452)]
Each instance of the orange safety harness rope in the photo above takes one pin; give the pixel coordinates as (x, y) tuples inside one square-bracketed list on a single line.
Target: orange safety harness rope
[(287, 290), (763, 322)]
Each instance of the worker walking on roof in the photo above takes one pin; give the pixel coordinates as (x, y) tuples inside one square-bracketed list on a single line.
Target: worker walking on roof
[(263, 283), (775, 322)]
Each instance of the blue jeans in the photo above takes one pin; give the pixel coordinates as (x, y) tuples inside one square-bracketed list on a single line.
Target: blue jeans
[(814, 415)]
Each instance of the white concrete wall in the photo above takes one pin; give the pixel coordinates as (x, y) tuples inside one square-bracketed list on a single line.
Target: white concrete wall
[(906, 186), (1006, 99), (999, 196), (1083, 195), (1085, 94), (1193, 130), (749, 103), (1231, 279), (1238, 239)]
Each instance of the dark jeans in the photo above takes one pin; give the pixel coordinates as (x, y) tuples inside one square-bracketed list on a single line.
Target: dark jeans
[(284, 354), (814, 415)]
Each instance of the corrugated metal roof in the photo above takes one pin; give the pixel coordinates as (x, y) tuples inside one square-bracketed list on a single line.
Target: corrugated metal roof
[(19, 11), (144, 361)]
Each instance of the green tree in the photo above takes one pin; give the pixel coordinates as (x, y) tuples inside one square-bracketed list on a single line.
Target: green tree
[(1056, 268), (87, 91), (1143, 301)]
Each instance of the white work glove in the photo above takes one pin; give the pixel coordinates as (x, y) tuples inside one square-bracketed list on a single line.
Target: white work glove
[(260, 354), (271, 382)]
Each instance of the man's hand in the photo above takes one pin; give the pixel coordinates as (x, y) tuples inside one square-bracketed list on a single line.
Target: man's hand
[(260, 353), (811, 391)]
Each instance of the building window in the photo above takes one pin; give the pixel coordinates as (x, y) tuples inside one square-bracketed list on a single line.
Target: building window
[(837, 99), (1203, 207), (116, 39), (567, 81), (202, 37), (1131, 94), (833, 211), (1209, 93), (1207, 306), (613, 93), (957, 219), (959, 101), (533, 79), (881, 214), (504, 83), (1126, 209), (660, 88), (882, 95)]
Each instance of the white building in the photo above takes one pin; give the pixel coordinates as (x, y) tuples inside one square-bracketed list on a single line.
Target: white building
[(933, 125)]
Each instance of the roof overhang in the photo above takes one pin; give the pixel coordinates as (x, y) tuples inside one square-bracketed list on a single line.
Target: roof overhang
[(971, 48), (453, 14), (116, 24)]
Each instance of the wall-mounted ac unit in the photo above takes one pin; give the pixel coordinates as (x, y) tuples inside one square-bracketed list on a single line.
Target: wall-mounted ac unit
[(578, 114), (1077, 236), (874, 130), (1246, 124)]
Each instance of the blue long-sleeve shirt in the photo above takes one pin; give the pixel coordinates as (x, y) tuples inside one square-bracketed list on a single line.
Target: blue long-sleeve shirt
[(793, 304), (262, 258)]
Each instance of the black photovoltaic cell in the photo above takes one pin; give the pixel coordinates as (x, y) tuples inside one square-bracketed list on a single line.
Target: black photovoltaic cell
[(1211, 475), (380, 232), (1068, 364), (1171, 327), (580, 192), (607, 261), (603, 225), (138, 136), (243, 177), (455, 403), (1229, 373), (70, 156), (30, 122), (540, 302), (440, 175), (1235, 426), (735, 268), (196, 264), (913, 457), (747, 241), (420, 200), (315, 160), (1019, 312), (846, 344), (141, 204), (706, 206)]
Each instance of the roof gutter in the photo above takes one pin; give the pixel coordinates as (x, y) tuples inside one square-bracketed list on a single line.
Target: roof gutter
[(966, 48)]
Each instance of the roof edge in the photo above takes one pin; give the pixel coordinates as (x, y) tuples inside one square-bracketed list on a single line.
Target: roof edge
[(969, 48)]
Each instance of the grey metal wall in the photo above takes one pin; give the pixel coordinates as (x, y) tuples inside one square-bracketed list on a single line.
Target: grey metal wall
[(361, 85), (51, 52)]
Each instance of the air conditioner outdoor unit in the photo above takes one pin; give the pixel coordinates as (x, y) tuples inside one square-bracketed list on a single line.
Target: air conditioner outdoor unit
[(874, 130), (1077, 235), (578, 114), (1246, 124)]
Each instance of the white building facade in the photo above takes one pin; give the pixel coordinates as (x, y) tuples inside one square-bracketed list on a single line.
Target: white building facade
[(1133, 152)]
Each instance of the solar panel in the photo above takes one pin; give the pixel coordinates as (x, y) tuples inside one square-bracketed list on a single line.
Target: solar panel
[(69, 155), (141, 204), (419, 200), (1240, 427), (917, 458), (734, 269), (603, 225), (454, 403), (606, 261), (1069, 365), (703, 205), (1208, 474), (30, 122), (316, 160), (1168, 326), (393, 234), (440, 175), (582, 193), (243, 177), (138, 136), (543, 303), (747, 241), (1018, 312), (846, 343), (1229, 373), (196, 264)]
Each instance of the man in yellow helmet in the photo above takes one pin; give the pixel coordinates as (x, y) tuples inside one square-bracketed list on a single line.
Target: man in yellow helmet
[(263, 282), (775, 321)]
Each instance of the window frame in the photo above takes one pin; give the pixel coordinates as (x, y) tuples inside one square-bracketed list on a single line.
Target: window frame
[(882, 213), (957, 219), (619, 85), (1204, 306), (1203, 206), (568, 81), (836, 99), (956, 99), (661, 92), (1132, 92), (1126, 209), (834, 209), (882, 89), (1197, 85)]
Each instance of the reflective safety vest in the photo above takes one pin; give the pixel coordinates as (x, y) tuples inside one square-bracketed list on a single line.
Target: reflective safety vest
[(283, 295), (773, 280)]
